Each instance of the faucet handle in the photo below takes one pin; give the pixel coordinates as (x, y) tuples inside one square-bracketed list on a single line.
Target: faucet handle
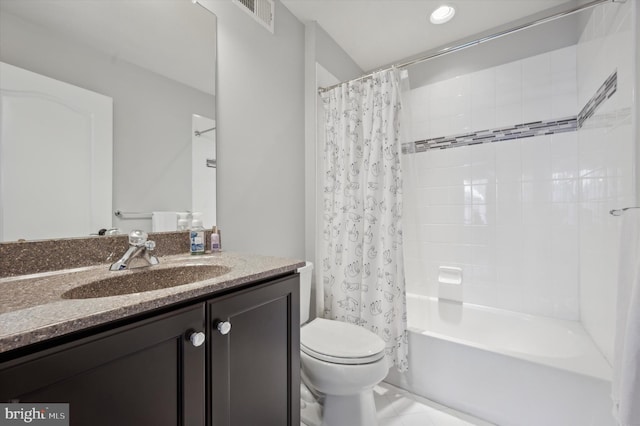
[(150, 245), (138, 238)]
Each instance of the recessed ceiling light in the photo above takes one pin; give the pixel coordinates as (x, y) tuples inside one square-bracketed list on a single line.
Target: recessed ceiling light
[(442, 14)]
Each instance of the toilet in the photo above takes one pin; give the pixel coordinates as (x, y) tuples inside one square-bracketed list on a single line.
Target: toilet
[(341, 362)]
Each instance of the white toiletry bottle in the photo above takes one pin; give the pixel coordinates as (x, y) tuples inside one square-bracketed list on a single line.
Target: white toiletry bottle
[(215, 240), (197, 235)]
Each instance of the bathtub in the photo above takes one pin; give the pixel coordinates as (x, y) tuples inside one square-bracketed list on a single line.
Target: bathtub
[(509, 368)]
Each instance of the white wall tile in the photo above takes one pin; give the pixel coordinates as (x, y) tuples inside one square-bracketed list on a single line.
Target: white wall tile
[(536, 158), (564, 191), (564, 155), (509, 114), (508, 276), (483, 88), (537, 214), (564, 101), (563, 104), (536, 68), (509, 76), (605, 45), (536, 88), (564, 59), (508, 245), (483, 235), (502, 259), (536, 192), (461, 122), (509, 162), (450, 157), (483, 118), (508, 96), (483, 193), (565, 214), (518, 215), (537, 104), (483, 173)]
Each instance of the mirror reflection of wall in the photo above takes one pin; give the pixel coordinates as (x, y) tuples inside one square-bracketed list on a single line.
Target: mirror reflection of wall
[(55, 159), (156, 60), (203, 168)]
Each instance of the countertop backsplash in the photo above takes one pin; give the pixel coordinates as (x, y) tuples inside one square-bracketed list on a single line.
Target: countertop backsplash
[(32, 257)]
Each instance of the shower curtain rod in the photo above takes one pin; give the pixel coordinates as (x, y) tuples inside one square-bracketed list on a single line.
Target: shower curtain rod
[(494, 36)]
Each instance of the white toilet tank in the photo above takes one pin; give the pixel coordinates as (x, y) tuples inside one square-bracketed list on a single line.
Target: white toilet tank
[(305, 291)]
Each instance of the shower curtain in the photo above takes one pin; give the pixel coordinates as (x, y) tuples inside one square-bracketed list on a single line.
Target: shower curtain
[(361, 241)]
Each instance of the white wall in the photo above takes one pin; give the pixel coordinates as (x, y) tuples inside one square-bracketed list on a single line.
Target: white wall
[(607, 147), (260, 132), (320, 51), (636, 116)]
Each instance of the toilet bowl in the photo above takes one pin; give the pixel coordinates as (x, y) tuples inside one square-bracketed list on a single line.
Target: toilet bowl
[(342, 362)]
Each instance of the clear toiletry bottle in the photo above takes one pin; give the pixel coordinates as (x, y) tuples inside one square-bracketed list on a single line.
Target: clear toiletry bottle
[(197, 235), (215, 240), (183, 222)]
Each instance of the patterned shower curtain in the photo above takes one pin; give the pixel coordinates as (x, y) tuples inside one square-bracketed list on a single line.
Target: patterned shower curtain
[(361, 241)]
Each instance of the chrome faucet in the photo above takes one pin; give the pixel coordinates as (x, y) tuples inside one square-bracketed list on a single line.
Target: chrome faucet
[(139, 248)]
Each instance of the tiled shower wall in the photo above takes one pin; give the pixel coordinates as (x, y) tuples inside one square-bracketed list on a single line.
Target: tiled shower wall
[(537, 88), (507, 213), (606, 159)]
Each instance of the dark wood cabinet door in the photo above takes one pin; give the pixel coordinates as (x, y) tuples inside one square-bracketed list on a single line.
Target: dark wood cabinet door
[(146, 373), (254, 374)]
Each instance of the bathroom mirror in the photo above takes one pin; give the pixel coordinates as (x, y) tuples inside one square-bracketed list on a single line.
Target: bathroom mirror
[(156, 61)]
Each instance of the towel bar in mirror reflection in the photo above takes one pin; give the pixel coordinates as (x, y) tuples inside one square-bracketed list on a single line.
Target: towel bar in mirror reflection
[(132, 215), (619, 212)]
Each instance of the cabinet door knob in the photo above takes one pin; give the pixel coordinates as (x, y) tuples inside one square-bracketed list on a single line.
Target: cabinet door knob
[(224, 327), (197, 338)]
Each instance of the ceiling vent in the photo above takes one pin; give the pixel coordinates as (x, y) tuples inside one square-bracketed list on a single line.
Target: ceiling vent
[(261, 10)]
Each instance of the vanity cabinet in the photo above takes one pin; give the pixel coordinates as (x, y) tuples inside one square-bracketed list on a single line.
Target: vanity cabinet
[(254, 342), (150, 371), (144, 373)]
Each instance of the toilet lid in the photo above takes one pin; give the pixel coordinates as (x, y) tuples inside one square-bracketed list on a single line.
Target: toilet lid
[(340, 342)]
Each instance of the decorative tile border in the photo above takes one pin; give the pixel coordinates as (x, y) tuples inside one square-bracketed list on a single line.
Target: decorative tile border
[(520, 131), (603, 93)]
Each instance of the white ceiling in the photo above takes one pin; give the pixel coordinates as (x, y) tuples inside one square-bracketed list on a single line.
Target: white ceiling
[(376, 33)]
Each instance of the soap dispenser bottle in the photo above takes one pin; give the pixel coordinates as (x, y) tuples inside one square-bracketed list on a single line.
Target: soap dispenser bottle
[(215, 240), (196, 235)]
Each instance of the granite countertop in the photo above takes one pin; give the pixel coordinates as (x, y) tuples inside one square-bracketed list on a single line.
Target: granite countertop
[(32, 308)]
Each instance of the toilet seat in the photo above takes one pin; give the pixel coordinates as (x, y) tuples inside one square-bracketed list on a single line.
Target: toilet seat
[(340, 343)]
